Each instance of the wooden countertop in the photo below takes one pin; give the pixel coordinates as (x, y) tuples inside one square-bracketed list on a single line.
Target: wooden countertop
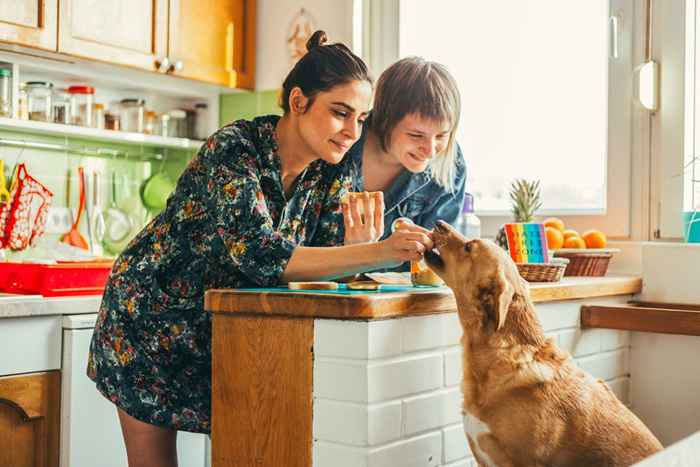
[(378, 305)]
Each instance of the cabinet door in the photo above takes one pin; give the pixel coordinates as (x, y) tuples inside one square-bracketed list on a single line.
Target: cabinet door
[(29, 22), (217, 47), (126, 32), (29, 419)]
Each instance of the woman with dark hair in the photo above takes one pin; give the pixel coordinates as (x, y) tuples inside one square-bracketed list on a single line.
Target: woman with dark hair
[(257, 206), (408, 149)]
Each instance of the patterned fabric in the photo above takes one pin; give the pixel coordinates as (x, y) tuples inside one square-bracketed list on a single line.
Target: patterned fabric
[(228, 224)]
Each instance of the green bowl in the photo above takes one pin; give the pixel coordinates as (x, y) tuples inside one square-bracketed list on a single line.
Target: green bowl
[(155, 191)]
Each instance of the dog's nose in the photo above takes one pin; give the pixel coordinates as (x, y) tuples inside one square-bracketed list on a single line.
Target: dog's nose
[(441, 226)]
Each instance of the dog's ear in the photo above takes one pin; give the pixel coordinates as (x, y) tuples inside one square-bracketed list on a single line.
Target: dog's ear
[(496, 299)]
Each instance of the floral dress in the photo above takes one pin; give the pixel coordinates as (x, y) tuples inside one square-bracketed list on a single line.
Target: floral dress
[(228, 224)]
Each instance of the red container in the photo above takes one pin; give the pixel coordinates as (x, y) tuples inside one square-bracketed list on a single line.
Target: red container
[(54, 280)]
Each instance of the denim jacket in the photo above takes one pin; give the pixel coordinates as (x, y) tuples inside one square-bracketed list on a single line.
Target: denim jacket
[(416, 196)]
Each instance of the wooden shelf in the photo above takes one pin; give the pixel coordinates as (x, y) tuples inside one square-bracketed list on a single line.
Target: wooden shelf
[(664, 318), (123, 137)]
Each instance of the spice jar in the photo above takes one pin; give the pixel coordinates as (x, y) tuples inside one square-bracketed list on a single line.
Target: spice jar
[(150, 122), (164, 124), (61, 106), (22, 102), (98, 111), (132, 113), (81, 105), (201, 120), (39, 98), (178, 123), (5, 94)]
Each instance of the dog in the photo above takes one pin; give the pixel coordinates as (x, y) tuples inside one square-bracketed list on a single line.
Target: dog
[(526, 403)]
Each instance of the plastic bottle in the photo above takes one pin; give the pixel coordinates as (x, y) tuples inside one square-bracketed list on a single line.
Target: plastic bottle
[(468, 224)]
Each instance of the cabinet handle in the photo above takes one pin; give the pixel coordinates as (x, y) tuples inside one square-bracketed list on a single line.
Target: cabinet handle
[(177, 66), (163, 65)]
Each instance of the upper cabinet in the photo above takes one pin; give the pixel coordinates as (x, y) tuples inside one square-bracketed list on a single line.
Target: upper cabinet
[(204, 40), (31, 23), (126, 32), (219, 46)]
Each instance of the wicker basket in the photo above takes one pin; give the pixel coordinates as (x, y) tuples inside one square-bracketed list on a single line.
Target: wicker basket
[(549, 272), (586, 264)]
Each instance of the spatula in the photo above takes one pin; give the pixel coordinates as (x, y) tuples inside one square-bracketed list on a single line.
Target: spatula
[(73, 236)]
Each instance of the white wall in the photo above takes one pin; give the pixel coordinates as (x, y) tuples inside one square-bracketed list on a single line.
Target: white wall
[(665, 375), (274, 19)]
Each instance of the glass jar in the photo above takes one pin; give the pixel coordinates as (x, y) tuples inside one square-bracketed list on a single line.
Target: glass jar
[(132, 113), (5, 92), (150, 122), (61, 106), (39, 99), (201, 121), (23, 102), (178, 123), (164, 124), (98, 112), (81, 105)]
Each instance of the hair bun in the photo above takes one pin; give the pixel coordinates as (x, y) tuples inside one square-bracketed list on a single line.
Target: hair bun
[(317, 39)]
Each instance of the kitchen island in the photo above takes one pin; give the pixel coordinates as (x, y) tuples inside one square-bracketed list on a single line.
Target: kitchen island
[(327, 379)]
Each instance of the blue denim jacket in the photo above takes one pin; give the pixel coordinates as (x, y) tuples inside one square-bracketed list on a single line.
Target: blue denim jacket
[(416, 196)]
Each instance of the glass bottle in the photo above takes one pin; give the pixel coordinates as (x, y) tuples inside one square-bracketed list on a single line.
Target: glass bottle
[(468, 224), (132, 113), (98, 115), (5, 92)]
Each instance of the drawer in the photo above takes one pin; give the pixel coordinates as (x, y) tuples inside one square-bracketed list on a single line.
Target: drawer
[(30, 344)]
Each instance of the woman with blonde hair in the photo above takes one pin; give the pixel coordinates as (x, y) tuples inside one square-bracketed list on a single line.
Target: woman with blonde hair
[(408, 150)]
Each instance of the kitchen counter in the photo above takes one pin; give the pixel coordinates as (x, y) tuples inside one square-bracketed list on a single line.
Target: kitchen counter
[(373, 305), (330, 378), (18, 306)]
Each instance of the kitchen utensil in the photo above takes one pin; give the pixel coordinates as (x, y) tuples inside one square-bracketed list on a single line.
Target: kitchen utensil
[(88, 209), (118, 224), (22, 220), (98, 218), (155, 191), (74, 237)]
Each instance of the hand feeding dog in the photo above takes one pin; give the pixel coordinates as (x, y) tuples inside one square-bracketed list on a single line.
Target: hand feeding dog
[(526, 403)]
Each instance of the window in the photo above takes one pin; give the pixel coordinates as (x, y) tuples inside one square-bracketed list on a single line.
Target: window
[(541, 97)]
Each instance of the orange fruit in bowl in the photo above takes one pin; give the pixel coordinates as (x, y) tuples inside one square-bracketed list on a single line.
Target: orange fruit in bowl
[(555, 223), (555, 239), (594, 239), (570, 233), (574, 242)]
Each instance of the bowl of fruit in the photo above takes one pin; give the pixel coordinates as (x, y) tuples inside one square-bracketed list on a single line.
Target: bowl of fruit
[(587, 252)]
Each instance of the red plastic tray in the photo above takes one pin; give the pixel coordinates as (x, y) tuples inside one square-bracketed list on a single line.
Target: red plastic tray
[(54, 280)]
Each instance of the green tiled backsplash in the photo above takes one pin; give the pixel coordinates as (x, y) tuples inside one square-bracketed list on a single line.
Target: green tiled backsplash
[(50, 168), (248, 105)]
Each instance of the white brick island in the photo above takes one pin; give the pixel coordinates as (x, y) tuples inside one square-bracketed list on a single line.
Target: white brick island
[(370, 380)]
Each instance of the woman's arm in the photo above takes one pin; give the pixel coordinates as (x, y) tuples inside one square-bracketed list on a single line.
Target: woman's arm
[(323, 263)]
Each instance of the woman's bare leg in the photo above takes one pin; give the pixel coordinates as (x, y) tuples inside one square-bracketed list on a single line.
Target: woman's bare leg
[(148, 445)]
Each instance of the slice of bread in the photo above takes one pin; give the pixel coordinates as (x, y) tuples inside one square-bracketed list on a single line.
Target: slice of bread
[(320, 285)]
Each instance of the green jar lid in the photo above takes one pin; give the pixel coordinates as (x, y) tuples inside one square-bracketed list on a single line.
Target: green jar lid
[(4, 72)]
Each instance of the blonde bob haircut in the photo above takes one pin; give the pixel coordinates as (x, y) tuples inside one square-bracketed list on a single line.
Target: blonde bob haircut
[(414, 85)]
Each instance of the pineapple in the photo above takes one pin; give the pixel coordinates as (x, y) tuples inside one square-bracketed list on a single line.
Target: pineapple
[(526, 200)]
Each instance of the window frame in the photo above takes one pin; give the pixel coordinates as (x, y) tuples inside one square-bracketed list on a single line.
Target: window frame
[(627, 168)]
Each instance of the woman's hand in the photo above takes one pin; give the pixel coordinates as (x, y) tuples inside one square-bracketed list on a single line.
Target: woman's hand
[(363, 216), (409, 243)]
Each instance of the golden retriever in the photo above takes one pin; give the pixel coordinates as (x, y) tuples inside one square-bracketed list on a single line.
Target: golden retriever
[(526, 403)]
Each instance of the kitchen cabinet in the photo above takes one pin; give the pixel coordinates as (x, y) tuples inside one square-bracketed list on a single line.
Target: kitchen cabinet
[(31, 23), (125, 32), (29, 419), (218, 46)]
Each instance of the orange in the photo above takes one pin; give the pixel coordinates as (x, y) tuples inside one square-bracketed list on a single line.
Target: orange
[(555, 239), (554, 222), (595, 239), (570, 233), (574, 242)]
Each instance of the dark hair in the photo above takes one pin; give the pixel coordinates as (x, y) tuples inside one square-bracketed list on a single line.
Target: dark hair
[(322, 68)]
